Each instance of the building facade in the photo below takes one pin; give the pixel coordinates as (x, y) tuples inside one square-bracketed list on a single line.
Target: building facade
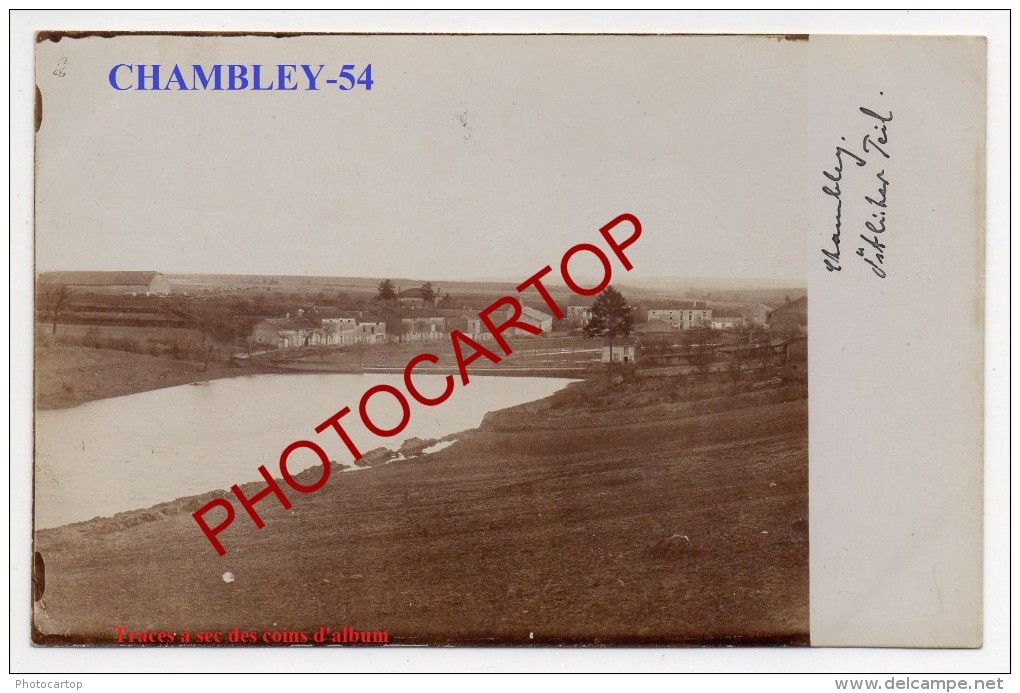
[(727, 320), (423, 328), (371, 333), (685, 316), (340, 328), (623, 351), (288, 333), (579, 315)]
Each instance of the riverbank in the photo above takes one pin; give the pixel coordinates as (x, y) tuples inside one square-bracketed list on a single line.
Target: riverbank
[(660, 512), (66, 376)]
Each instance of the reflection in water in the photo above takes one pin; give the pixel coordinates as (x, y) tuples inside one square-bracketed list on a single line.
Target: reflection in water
[(132, 452)]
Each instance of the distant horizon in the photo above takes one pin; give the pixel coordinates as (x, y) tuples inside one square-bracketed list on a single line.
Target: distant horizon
[(637, 282)]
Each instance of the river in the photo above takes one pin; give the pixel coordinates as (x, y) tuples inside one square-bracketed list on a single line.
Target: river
[(131, 452)]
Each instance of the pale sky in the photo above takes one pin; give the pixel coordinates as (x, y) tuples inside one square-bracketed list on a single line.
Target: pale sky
[(471, 157)]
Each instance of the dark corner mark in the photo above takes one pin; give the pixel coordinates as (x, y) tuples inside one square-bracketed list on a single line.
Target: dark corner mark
[(56, 36), (38, 589), (38, 577), (38, 108)]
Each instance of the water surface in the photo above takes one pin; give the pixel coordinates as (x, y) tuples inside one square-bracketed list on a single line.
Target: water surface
[(132, 452)]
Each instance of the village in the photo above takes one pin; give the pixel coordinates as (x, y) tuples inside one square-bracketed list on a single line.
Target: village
[(301, 324), (417, 319), (703, 395)]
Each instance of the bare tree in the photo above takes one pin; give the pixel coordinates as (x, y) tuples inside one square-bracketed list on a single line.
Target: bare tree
[(208, 322), (54, 300), (332, 332), (702, 356), (737, 363)]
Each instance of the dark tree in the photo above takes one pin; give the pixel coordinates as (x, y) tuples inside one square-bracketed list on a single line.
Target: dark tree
[(428, 293), (208, 321), (611, 317), (54, 300), (701, 348), (387, 292)]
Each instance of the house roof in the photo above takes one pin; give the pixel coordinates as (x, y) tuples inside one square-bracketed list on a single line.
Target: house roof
[(98, 278), (416, 292), (678, 305), (727, 313), (653, 326), (300, 323), (795, 312), (425, 312), (535, 314), (329, 312), (422, 316), (452, 312)]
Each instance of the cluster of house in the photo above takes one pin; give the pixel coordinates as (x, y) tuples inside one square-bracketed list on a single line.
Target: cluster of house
[(327, 326), (415, 319), (317, 327), (684, 315)]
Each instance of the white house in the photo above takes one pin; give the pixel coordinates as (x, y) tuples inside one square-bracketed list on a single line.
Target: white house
[(465, 322), (684, 315), (371, 333), (421, 328), (726, 319), (624, 350), (340, 328)]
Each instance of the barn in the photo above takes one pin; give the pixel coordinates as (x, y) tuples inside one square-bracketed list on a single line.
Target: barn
[(528, 316), (132, 282)]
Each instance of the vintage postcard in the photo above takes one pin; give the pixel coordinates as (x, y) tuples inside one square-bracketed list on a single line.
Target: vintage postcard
[(593, 340)]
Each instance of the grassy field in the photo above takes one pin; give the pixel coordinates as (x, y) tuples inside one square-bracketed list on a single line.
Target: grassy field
[(651, 514), (69, 375)]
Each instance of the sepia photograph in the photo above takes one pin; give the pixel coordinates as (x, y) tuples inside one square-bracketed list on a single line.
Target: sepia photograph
[(452, 341), (366, 340)]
